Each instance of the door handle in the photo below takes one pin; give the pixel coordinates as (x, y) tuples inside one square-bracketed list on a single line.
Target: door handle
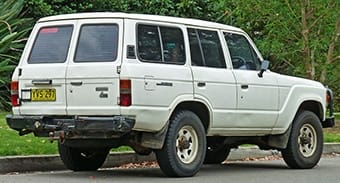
[(244, 87), (164, 84), (42, 81), (76, 83), (201, 84)]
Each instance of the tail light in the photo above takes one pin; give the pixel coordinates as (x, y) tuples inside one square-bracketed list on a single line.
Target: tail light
[(125, 92), (328, 98), (15, 93)]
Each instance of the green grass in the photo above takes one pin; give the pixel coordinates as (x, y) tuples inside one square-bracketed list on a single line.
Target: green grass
[(329, 137), (13, 144), (333, 134)]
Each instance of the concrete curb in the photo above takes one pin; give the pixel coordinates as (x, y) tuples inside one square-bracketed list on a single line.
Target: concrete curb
[(53, 162)]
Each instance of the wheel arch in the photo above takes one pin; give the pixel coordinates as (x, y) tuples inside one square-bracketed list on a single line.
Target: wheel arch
[(155, 140), (199, 108), (313, 106)]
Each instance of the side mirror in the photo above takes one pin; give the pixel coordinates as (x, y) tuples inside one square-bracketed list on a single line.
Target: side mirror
[(264, 67)]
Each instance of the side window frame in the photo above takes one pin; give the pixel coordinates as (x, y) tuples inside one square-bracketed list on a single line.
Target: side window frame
[(254, 51), (222, 55), (159, 26), (137, 43), (203, 64)]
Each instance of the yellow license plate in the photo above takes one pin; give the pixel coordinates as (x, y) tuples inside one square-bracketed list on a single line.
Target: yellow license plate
[(43, 94)]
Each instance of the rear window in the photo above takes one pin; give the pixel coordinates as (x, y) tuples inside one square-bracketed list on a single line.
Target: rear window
[(51, 45), (97, 43)]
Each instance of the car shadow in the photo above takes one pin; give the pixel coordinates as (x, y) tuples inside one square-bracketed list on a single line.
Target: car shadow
[(140, 173), (251, 165)]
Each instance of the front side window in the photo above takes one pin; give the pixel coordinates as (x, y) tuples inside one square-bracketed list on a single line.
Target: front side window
[(160, 44), (51, 45), (97, 43), (205, 48), (241, 52)]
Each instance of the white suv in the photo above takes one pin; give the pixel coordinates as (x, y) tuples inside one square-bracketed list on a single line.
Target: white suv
[(189, 90)]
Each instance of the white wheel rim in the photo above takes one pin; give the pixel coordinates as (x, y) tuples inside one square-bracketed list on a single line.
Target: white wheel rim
[(307, 140), (187, 144)]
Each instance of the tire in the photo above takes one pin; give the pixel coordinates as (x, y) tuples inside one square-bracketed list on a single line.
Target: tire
[(216, 152), (305, 143), (77, 159), (184, 148)]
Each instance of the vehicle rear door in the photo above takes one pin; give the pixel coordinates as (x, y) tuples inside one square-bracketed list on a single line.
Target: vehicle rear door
[(92, 76), (43, 68), (214, 83)]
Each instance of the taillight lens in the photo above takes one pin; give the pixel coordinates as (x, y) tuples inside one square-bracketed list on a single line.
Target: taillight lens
[(328, 98), (15, 93), (125, 92)]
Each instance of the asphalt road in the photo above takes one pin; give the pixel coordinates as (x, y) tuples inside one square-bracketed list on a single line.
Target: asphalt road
[(274, 171)]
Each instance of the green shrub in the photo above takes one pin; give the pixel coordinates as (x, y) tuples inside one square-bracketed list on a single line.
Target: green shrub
[(13, 32)]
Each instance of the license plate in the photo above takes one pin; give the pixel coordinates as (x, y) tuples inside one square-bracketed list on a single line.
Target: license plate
[(43, 94)]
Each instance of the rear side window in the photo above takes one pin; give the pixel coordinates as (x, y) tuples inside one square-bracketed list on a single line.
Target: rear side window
[(51, 45), (97, 43), (149, 48), (205, 48), (160, 44)]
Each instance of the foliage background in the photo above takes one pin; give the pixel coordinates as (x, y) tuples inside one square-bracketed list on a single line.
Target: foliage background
[(299, 37), (14, 29)]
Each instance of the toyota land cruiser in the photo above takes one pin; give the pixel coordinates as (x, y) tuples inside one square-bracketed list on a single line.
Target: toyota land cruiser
[(188, 90)]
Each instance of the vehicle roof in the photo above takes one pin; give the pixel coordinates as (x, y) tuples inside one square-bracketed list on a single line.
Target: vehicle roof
[(94, 15)]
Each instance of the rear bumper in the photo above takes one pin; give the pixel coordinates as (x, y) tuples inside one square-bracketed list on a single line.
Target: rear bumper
[(72, 127)]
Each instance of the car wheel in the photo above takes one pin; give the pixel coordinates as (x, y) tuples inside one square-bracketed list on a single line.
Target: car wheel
[(216, 153), (77, 159), (184, 148), (305, 143)]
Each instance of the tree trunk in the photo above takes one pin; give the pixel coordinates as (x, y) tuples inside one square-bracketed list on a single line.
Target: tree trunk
[(330, 53), (306, 52)]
